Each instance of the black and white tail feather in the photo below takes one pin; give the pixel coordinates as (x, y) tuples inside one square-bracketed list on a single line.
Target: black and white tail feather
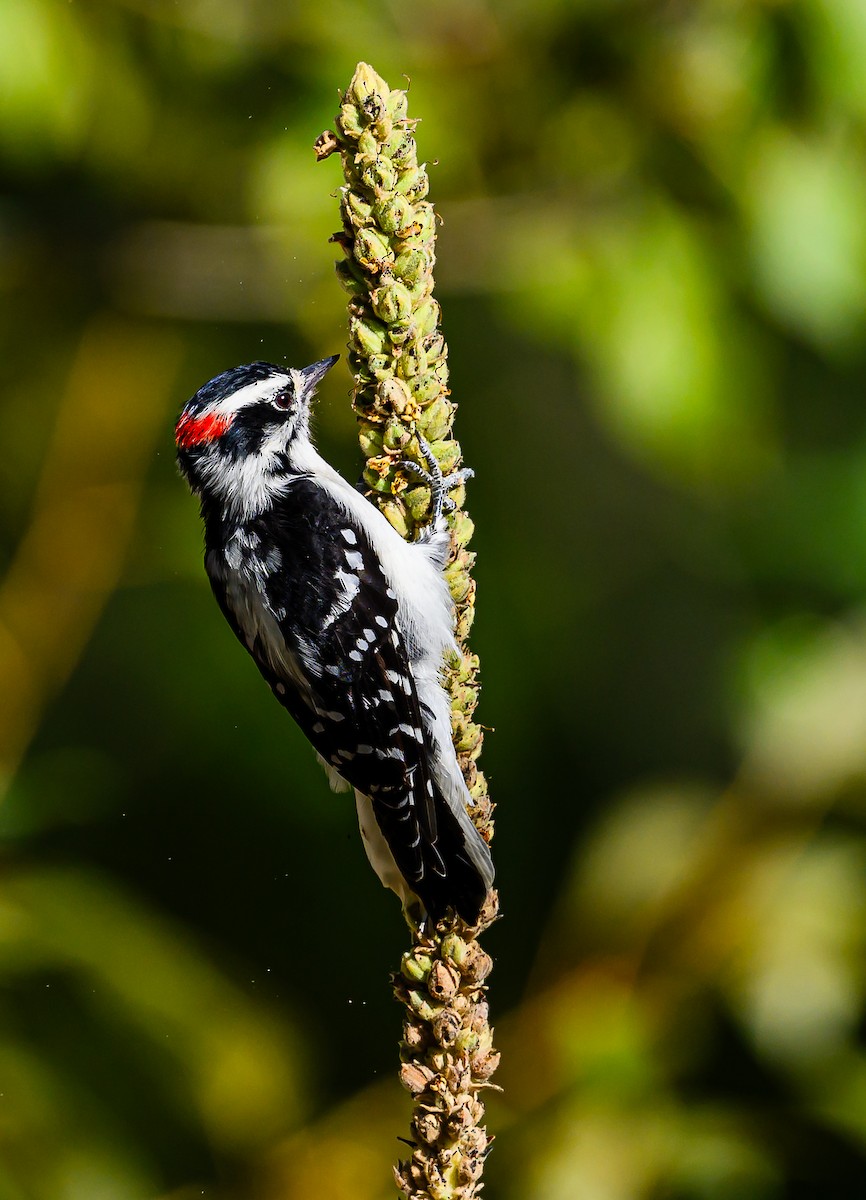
[(346, 621)]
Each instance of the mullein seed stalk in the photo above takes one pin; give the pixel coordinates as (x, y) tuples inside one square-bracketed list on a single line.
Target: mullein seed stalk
[(399, 361)]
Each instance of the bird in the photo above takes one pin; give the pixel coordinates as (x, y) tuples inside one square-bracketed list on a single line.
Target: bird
[(348, 623)]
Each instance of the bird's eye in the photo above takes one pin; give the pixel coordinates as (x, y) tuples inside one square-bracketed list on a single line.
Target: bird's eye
[(283, 399)]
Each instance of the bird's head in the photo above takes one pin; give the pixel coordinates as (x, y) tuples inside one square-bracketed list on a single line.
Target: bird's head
[(237, 434)]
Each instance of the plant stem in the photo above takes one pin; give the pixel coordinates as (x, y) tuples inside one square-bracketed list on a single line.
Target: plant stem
[(399, 361)]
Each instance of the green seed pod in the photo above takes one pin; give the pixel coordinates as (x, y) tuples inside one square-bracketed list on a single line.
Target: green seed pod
[(434, 344), (404, 153), (393, 394), (409, 179), (458, 581), (371, 441), (349, 121), (411, 265), (425, 217), (380, 176), (395, 514), (466, 1042), (478, 790), (454, 948), (421, 290), (368, 335), (464, 698), (447, 455), (427, 315), (348, 280), (417, 501), (372, 249), (392, 143), (396, 435), (392, 213), (412, 361), (425, 388), (415, 968), (364, 401), (467, 738), (356, 210), (422, 1006), (462, 527), (397, 105), (401, 332), (379, 366), (420, 186), (368, 148), (366, 86), (392, 302), (435, 421), (376, 482), (383, 127)]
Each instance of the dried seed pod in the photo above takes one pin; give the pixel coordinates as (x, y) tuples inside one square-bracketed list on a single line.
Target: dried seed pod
[(414, 1035), (446, 1026), (428, 1126), (470, 1168), (483, 1065), (460, 1120), (415, 1077), (443, 981), (403, 1178), (477, 963)]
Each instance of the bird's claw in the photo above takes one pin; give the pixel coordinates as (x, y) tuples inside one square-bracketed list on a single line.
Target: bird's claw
[(438, 483)]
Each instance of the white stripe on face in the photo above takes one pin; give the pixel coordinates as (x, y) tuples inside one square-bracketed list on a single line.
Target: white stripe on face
[(253, 393)]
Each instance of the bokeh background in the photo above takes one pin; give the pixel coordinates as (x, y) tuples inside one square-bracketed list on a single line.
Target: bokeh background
[(653, 274)]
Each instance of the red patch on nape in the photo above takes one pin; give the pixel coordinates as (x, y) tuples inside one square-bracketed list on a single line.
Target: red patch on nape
[(198, 430)]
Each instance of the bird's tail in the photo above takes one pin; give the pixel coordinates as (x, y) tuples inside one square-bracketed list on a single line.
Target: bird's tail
[(444, 862)]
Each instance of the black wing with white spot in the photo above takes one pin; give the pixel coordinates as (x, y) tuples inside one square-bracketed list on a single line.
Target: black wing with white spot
[(351, 689)]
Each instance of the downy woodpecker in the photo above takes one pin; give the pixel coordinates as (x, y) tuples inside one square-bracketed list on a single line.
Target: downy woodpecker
[(347, 622)]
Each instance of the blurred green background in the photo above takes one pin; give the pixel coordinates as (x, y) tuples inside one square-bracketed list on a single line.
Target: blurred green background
[(653, 274)]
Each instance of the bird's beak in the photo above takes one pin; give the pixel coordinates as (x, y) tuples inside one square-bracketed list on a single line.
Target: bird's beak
[(313, 374)]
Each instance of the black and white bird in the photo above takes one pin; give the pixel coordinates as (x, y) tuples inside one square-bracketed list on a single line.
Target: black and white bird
[(347, 622)]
